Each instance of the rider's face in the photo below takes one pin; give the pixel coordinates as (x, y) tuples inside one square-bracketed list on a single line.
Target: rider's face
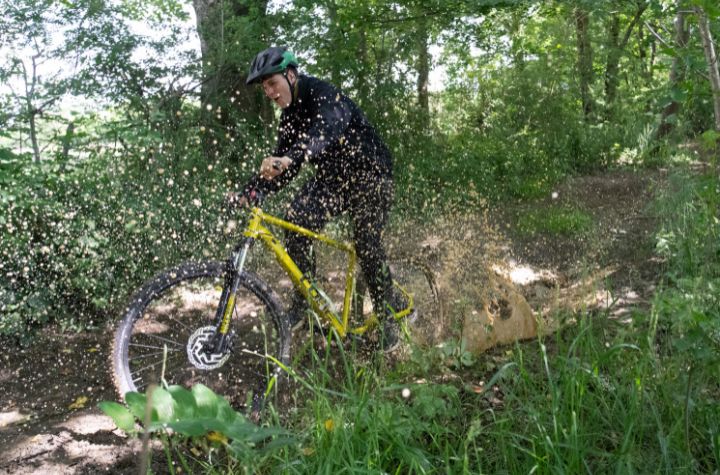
[(278, 89)]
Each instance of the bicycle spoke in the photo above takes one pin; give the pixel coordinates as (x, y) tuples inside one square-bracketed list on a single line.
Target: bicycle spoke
[(166, 340), (147, 355), (146, 346), (168, 369), (181, 323), (150, 366)]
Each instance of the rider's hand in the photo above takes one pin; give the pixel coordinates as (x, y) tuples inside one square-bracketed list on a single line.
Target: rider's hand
[(274, 166), (234, 199)]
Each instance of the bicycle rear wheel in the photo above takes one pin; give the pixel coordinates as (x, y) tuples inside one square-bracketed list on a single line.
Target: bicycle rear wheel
[(161, 335), (416, 277)]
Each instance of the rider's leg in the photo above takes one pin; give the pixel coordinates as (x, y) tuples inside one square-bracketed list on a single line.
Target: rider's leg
[(311, 208), (370, 212)]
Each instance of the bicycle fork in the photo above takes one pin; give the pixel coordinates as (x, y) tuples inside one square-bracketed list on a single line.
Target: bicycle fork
[(226, 306)]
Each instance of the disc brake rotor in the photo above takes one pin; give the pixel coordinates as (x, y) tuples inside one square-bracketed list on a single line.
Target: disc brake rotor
[(197, 354)]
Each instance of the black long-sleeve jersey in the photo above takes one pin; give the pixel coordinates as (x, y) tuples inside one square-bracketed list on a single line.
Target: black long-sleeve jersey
[(326, 128)]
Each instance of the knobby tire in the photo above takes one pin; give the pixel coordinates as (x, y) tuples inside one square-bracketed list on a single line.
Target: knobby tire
[(167, 310)]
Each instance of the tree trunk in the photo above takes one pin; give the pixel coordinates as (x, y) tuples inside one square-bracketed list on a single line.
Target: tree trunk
[(32, 111), (516, 49), (642, 54), (225, 100), (205, 13), (423, 70), (615, 51), (33, 133), (613, 64), (712, 61), (585, 72), (361, 78), (334, 39), (379, 54), (67, 140), (677, 73), (653, 56)]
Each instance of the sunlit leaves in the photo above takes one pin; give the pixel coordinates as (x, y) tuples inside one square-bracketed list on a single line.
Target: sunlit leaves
[(193, 413)]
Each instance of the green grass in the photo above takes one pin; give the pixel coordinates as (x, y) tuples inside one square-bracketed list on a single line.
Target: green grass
[(560, 221), (596, 397)]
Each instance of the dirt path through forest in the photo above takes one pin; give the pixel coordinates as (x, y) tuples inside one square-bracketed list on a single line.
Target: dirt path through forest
[(49, 421)]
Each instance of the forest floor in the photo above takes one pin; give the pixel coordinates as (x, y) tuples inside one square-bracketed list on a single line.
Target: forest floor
[(49, 420)]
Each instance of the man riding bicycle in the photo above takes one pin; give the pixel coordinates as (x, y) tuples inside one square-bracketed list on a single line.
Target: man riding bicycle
[(320, 125)]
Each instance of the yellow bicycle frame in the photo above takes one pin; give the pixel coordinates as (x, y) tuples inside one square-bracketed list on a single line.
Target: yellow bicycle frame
[(318, 300)]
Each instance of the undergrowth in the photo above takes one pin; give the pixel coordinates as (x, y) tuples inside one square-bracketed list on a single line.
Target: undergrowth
[(602, 395)]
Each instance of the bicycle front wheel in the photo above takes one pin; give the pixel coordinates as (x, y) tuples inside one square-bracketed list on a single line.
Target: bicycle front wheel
[(161, 336)]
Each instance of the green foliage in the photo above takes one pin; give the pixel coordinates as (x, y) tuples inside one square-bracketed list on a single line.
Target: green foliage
[(382, 433), (351, 415), (80, 236), (178, 414), (690, 242), (568, 420), (689, 237), (565, 221)]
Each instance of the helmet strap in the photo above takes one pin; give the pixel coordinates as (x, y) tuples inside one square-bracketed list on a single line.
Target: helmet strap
[(291, 87)]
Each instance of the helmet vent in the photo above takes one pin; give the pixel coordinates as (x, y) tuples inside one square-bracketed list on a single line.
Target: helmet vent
[(262, 61)]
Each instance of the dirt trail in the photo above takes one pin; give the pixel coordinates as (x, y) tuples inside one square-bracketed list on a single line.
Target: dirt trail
[(614, 265), (49, 421)]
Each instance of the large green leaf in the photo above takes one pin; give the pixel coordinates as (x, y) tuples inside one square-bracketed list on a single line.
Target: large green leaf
[(137, 403), (250, 433), (206, 401), (185, 406), (120, 415), (225, 413), (196, 427), (162, 405)]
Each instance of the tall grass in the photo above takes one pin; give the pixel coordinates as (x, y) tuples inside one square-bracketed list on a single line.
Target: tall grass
[(595, 398)]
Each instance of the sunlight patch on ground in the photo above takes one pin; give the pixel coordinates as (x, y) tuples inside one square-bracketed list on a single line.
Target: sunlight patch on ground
[(523, 275), (11, 417), (88, 424), (94, 454), (622, 303)]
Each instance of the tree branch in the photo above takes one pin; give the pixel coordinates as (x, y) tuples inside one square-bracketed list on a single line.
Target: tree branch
[(448, 11), (656, 35), (641, 9)]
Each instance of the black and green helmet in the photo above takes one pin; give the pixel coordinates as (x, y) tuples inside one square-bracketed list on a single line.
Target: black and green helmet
[(270, 61)]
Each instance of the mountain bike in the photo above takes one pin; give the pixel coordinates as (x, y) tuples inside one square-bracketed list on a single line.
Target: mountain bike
[(221, 324)]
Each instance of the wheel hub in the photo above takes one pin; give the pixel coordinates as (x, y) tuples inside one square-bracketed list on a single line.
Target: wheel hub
[(197, 354)]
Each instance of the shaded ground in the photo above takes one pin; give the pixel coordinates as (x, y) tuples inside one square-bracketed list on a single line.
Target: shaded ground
[(49, 422)]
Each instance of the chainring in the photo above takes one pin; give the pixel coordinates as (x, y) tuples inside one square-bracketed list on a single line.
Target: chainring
[(196, 353)]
